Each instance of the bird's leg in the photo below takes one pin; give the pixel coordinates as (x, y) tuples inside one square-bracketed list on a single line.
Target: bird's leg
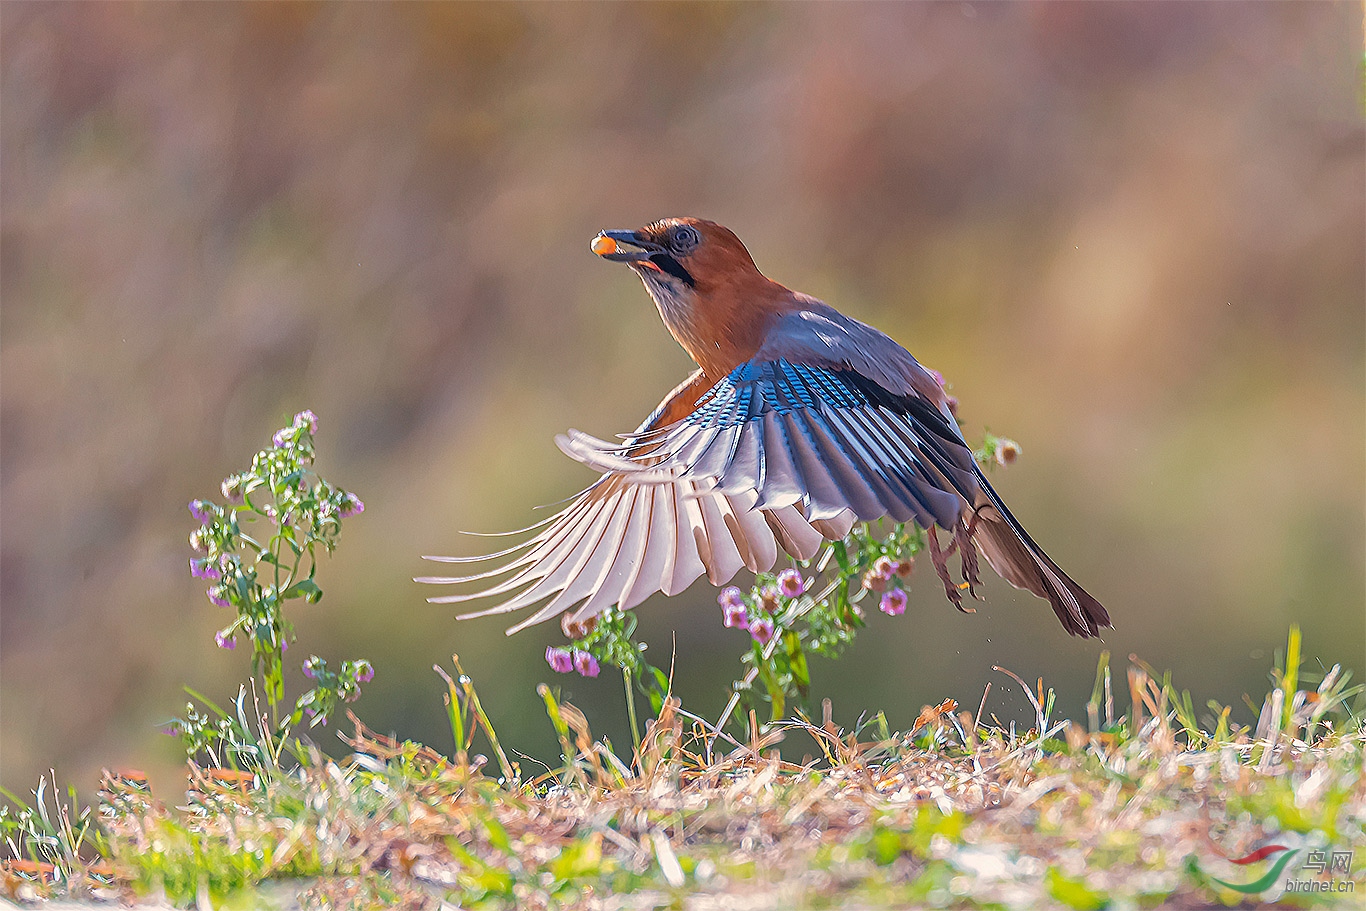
[(940, 559), (951, 549), (962, 533)]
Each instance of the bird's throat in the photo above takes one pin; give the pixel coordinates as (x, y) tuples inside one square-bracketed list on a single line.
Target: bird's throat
[(679, 308), (719, 331)]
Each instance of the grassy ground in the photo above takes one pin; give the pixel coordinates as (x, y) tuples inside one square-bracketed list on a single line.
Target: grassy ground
[(1143, 809)]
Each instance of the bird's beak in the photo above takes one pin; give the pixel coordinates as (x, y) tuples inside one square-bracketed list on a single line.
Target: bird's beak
[(625, 246)]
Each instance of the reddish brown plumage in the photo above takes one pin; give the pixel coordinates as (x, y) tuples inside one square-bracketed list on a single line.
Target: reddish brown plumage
[(733, 305)]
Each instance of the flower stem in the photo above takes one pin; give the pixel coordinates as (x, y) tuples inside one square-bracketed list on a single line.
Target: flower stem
[(631, 709)]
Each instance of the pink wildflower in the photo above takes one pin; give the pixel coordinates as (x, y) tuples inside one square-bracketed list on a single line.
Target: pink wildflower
[(792, 583), (559, 659), (735, 616), (585, 663), (203, 568), (762, 630), (893, 602)]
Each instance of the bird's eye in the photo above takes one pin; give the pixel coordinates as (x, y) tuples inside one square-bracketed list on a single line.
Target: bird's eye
[(684, 239)]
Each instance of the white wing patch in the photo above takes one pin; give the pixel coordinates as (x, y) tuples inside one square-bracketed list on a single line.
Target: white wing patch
[(619, 542)]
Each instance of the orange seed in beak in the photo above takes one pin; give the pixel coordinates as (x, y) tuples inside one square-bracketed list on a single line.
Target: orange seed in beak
[(602, 245)]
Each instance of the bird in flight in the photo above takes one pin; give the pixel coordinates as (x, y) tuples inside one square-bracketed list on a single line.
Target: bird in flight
[(797, 423)]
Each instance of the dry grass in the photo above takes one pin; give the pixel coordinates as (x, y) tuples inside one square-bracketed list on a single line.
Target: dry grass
[(1136, 811)]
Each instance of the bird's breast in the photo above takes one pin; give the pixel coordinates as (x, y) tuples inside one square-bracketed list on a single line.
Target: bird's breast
[(719, 327), (686, 322)]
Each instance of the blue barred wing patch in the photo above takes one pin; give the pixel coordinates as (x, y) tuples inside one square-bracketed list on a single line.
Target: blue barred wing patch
[(752, 389), (829, 438)]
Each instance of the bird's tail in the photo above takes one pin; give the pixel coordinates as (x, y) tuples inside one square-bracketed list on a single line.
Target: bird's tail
[(1014, 555)]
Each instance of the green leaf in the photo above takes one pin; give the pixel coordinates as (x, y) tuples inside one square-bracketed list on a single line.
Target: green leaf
[(275, 684), (1053, 745), (581, 858), (306, 588), (481, 876), (661, 680), (497, 835), (1074, 893), (885, 846), (494, 881), (775, 690), (796, 657)]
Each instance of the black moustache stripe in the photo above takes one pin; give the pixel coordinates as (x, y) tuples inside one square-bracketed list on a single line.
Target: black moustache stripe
[(672, 266)]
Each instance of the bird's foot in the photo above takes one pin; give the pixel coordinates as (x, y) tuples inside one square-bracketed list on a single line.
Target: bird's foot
[(940, 559), (962, 538)]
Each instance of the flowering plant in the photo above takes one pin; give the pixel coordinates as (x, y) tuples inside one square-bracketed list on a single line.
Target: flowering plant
[(786, 621), (258, 551), (816, 608)]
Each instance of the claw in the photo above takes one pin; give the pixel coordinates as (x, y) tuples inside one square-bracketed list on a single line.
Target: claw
[(940, 559), (962, 537)]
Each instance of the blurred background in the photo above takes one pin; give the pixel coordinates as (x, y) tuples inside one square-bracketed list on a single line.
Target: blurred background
[(1131, 236)]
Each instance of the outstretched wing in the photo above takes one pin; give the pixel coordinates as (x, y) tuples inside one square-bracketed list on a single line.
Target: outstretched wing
[(834, 417), (827, 437), (620, 541)]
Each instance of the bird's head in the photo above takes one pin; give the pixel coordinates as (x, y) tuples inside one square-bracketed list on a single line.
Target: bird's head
[(712, 297), (680, 255)]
